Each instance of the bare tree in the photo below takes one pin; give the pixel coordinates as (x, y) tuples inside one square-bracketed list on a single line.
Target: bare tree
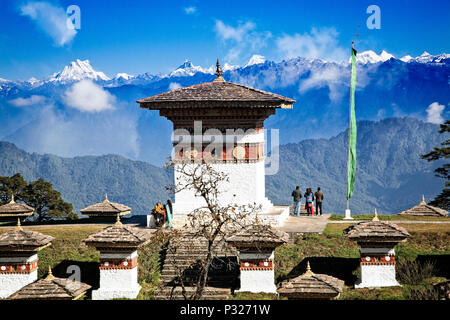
[(212, 222)]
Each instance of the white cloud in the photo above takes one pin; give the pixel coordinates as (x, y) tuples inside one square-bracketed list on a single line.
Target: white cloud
[(25, 102), (69, 134), (190, 10), (240, 41), (174, 85), (51, 19), (226, 32), (330, 76), (434, 113), (87, 96), (319, 43)]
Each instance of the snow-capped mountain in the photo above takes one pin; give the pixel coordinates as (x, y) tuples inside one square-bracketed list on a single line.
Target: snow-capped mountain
[(229, 67), (79, 70), (428, 58), (188, 69), (255, 59), (76, 71), (123, 76), (370, 56), (406, 58)]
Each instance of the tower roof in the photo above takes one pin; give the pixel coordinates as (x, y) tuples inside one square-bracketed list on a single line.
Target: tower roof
[(106, 208), (258, 236), (15, 209), (216, 93), (118, 235), (51, 288), (311, 285), (21, 240), (424, 209), (376, 231)]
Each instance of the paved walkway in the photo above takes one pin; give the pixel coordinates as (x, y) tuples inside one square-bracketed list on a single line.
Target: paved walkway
[(305, 224), (393, 221)]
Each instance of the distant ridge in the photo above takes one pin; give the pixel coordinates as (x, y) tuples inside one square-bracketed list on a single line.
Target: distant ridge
[(390, 175), (85, 180)]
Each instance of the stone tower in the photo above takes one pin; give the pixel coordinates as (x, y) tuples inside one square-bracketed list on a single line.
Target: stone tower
[(223, 123)]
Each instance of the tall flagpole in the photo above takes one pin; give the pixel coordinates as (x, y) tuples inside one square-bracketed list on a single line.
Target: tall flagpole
[(348, 215)]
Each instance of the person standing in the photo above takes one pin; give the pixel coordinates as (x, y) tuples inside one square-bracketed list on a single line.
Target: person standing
[(309, 202), (159, 213), (169, 213), (297, 195), (319, 199)]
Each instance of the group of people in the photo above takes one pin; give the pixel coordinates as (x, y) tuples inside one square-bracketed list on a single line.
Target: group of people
[(163, 214), (310, 198)]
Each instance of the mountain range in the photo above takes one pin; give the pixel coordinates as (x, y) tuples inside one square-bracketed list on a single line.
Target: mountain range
[(81, 111), (79, 69), (390, 174)]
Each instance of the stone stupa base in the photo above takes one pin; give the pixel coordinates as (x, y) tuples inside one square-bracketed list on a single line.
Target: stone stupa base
[(274, 216), (257, 281), (375, 276), (109, 294)]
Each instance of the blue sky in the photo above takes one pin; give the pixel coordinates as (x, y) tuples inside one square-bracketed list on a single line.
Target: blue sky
[(156, 36)]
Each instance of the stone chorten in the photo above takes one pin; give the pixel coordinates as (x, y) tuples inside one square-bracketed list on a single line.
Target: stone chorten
[(311, 285), (51, 288), (377, 240), (106, 209), (223, 123), (424, 209), (14, 210), (19, 259), (118, 260), (256, 246)]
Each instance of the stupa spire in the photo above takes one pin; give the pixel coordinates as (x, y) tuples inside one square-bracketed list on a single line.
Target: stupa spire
[(308, 270), (118, 223), (219, 72), (423, 200), (375, 215), (50, 274), (12, 198), (18, 227)]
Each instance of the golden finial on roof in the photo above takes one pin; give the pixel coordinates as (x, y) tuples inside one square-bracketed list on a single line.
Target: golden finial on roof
[(423, 200), (375, 215), (12, 198), (106, 198), (308, 270), (50, 274), (219, 72), (118, 223), (19, 227)]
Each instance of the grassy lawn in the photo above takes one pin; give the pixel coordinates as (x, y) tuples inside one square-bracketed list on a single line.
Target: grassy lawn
[(329, 253), (332, 253), (389, 217)]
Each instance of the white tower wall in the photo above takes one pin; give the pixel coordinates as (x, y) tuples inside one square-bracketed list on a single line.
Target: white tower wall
[(246, 186), (118, 276), (16, 273)]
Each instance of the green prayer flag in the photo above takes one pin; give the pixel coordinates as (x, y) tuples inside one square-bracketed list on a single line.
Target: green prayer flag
[(352, 131)]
